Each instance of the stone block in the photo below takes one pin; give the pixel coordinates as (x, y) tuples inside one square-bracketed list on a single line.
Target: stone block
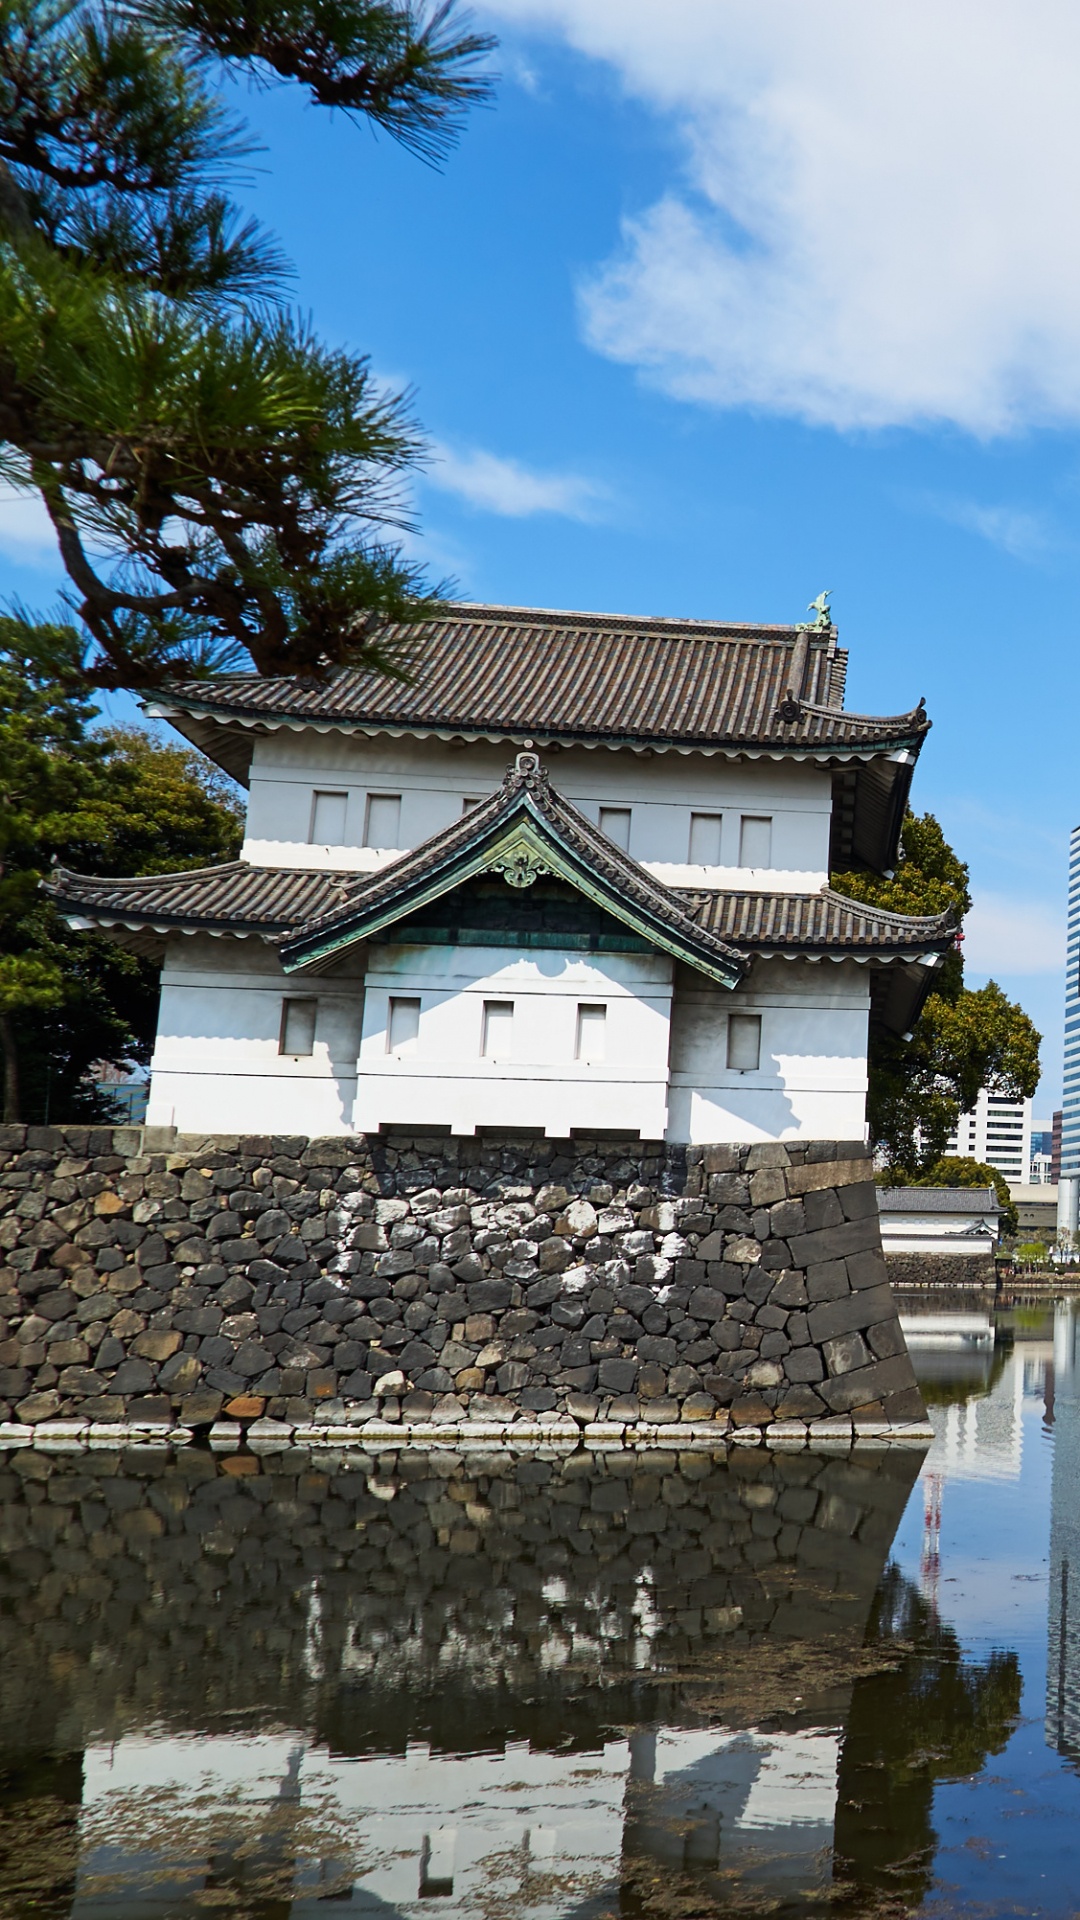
[(767, 1153), (875, 1382), (245, 1406), (816, 1175), (886, 1340), (845, 1353), (851, 1314), (822, 1209), (201, 1408), (869, 1269), (827, 1281), (804, 1365), (617, 1376), (133, 1376), (37, 1407), (834, 1243), (652, 1381)]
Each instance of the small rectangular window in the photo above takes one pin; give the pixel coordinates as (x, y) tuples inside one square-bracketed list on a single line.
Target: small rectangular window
[(744, 1042), (755, 841), (705, 839), (328, 819), (297, 1026), (403, 1027), (498, 1029), (382, 821), (591, 1034), (470, 801), (615, 822)]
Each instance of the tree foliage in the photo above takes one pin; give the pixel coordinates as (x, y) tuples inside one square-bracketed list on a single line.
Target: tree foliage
[(964, 1038), (223, 487), (113, 801)]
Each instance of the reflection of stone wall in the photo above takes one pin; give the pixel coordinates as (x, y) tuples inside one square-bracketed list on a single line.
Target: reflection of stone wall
[(443, 1279), (429, 1594)]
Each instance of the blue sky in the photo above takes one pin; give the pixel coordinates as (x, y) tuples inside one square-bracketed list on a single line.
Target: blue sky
[(731, 300)]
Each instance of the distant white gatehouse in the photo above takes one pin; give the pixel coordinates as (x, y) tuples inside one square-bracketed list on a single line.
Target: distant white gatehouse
[(570, 875)]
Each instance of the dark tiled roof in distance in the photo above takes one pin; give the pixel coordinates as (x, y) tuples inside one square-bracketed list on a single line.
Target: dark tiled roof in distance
[(937, 1200), (520, 673)]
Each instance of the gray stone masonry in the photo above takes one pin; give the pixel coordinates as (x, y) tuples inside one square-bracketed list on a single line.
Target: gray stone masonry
[(152, 1277), (941, 1269)]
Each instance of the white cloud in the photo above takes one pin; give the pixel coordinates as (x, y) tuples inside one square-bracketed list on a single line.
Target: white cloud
[(1004, 935), (875, 221), (1024, 535), (495, 485), (26, 532)]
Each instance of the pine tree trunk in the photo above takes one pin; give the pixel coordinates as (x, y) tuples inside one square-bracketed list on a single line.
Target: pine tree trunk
[(10, 1051)]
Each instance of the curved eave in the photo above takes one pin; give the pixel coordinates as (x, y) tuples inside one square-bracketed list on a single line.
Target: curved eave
[(525, 830), (892, 741)]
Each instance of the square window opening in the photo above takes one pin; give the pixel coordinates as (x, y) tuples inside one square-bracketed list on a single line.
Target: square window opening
[(470, 801), (328, 819), (744, 1042), (705, 839), (755, 841), (615, 822), (382, 821), (297, 1026), (498, 1030), (591, 1034), (403, 1026)]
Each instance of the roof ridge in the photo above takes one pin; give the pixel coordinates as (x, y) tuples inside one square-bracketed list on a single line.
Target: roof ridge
[(943, 920)]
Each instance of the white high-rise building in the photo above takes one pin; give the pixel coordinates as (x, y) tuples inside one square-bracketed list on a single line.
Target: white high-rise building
[(998, 1133), (1070, 1105)]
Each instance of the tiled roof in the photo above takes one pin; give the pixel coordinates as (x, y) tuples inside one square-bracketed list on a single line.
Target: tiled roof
[(526, 819), (937, 1200), (520, 673), (279, 901), (815, 921), (232, 897)]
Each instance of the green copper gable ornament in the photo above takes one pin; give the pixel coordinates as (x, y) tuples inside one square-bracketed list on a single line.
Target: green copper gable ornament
[(822, 612)]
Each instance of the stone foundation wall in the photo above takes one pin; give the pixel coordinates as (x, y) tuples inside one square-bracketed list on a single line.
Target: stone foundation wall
[(964, 1270), (191, 1280)]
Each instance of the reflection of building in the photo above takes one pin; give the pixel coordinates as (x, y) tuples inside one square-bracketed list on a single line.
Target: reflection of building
[(997, 1133), (1063, 1653), (495, 1683), (977, 1392)]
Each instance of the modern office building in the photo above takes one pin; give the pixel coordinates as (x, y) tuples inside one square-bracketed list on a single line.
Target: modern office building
[(996, 1132), (1068, 1216)]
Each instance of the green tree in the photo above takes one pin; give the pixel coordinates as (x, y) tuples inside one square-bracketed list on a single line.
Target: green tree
[(105, 801), (223, 487), (964, 1039)]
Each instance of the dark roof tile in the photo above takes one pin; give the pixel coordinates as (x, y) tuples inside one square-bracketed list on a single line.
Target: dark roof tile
[(519, 672)]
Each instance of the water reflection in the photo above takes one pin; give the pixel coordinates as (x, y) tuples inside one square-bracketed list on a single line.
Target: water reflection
[(468, 1683), (1063, 1656)]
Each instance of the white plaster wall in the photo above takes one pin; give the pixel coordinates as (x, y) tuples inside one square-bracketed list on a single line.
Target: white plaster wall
[(448, 1082), (435, 778), (811, 1082), (216, 1065), (934, 1241)]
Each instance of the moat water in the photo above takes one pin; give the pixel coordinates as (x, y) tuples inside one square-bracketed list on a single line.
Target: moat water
[(550, 1687)]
